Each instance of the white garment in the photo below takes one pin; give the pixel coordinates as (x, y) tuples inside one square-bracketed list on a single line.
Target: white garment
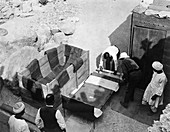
[(18, 125), (58, 115), (155, 87), (112, 50), (107, 84)]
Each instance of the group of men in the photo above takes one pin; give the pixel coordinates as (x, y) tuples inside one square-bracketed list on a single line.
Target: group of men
[(112, 59), (47, 119)]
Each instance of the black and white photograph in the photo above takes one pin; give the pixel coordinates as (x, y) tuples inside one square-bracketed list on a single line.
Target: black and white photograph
[(84, 65)]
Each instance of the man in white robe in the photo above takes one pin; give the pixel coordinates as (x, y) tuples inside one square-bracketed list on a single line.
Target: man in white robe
[(153, 94), (16, 122), (113, 53)]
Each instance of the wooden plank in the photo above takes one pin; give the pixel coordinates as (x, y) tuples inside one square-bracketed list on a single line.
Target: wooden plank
[(43, 60), (44, 90), (82, 72), (45, 69), (61, 48), (83, 68), (62, 60), (83, 77), (88, 62), (70, 72), (150, 21), (84, 56), (166, 52), (83, 52), (166, 60), (69, 87), (60, 54), (167, 68), (25, 72), (51, 85)]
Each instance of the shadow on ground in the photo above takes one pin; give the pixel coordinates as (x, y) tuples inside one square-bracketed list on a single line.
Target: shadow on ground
[(135, 110)]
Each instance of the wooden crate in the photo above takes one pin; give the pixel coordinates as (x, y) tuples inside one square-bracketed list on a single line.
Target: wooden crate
[(75, 78)]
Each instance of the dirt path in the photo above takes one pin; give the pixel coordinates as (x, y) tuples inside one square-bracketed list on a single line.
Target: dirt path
[(98, 19)]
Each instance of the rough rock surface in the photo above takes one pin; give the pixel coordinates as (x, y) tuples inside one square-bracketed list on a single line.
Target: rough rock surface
[(16, 3), (17, 31), (19, 60), (44, 34), (67, 27), (49, 45), (59, 38), (26, 7), (54, 28), (3, 32), (28, 23)]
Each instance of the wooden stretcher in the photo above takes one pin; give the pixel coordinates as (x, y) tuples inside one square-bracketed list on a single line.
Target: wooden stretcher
[(89, 99)]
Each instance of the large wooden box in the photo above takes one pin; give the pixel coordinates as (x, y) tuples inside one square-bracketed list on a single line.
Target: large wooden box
[(63, 66)]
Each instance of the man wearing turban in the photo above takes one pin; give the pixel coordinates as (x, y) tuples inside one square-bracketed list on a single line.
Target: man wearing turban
[(153, 94), (16, 122)]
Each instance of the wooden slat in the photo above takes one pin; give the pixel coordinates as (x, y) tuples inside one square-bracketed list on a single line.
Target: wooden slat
[(83, 68), (83, 77), (62, 60), (83, 52), (45, 69), (61, 48), (69, 87), (166, 60), (167, 69), (43, 60), (75, 78), (84, 56), (150, 21), (70, 72), (25, 72), (60, 54), (44, 90)]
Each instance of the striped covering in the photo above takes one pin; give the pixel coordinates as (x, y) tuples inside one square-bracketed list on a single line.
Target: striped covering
[(40, 76)]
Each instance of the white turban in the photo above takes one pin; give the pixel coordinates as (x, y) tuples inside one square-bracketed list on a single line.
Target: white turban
[(18, 107), (157, 65), (123, 55)]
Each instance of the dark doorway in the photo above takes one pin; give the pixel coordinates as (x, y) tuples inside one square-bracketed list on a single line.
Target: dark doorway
[(147, 46)]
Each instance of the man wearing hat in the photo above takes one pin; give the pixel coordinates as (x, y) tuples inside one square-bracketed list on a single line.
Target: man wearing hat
[(48, 119), (131, 75), (109, 54), (16, 122), (153, 94)]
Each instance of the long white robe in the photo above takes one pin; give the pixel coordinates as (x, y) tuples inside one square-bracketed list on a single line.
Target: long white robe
[(112, 50), (155, 87), (17, 125)]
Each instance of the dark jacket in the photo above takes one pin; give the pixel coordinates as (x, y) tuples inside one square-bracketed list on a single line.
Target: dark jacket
[(50, 122)]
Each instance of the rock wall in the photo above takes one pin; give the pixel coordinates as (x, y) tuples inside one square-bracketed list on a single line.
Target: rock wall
[(28, 28)]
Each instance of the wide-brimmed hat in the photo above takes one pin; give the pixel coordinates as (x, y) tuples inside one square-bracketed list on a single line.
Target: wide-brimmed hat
[(123, 55), (18, 107), (157, 65)]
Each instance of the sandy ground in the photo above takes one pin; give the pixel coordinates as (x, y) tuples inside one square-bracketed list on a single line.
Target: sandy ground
[(98, 19)]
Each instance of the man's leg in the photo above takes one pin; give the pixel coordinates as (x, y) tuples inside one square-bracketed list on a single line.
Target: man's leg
[(130, 92), (134, 82), (129, 95)]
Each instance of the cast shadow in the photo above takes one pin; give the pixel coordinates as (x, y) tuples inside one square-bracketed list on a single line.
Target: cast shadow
[(119, 37)]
